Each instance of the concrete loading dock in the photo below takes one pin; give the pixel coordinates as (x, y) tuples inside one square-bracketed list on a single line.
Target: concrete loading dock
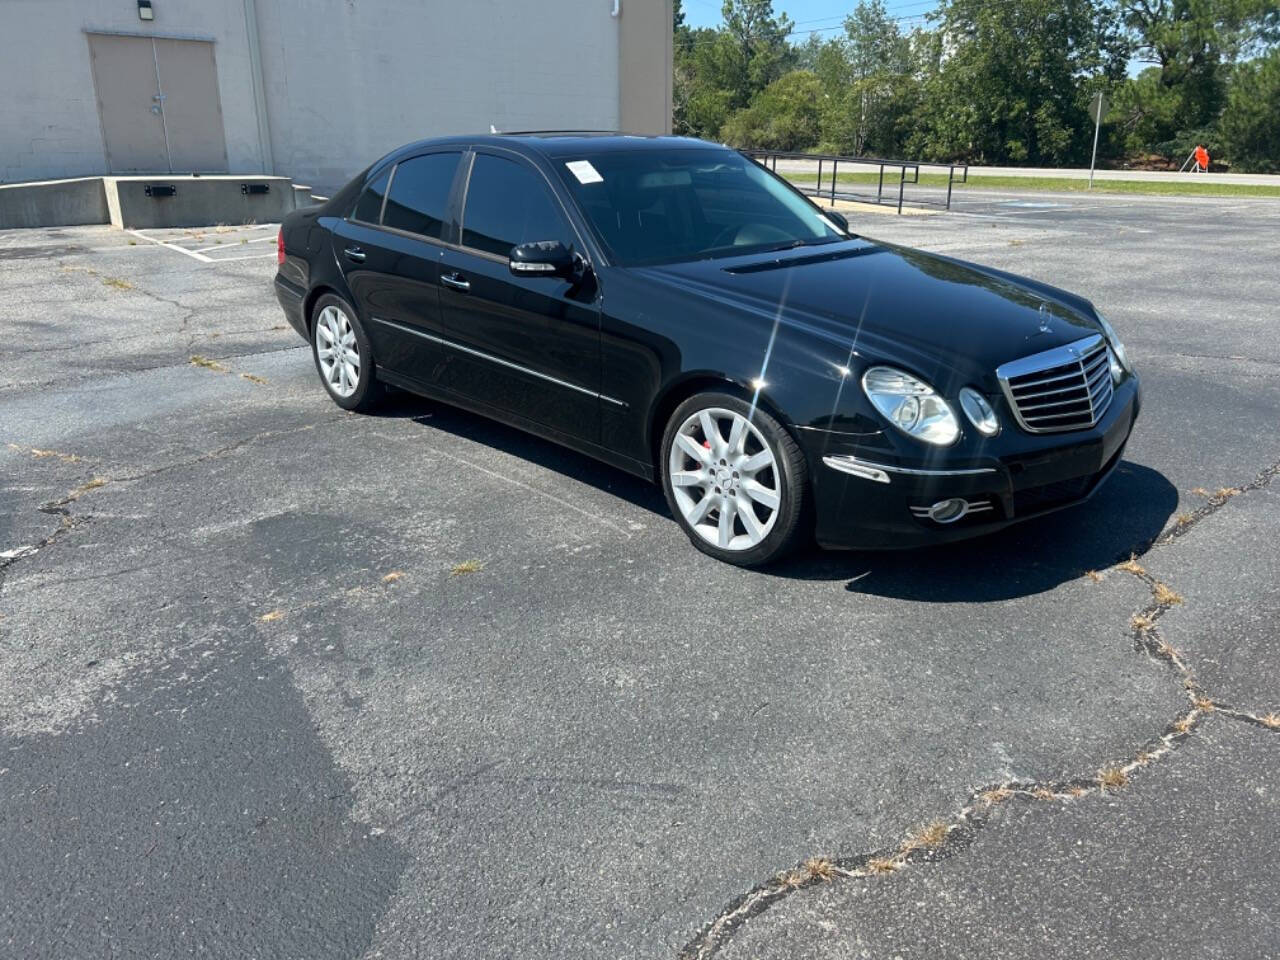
[(144, 201)]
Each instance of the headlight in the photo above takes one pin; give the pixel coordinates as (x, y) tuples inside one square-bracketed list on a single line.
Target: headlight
[(911, 405), (1119, 359)]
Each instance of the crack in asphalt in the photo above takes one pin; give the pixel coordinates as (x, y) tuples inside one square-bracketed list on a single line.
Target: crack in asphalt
[(183, 361), (61, 508), (948, 838)]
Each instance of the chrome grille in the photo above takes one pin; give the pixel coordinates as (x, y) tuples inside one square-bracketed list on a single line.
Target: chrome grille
[(1066, 388)]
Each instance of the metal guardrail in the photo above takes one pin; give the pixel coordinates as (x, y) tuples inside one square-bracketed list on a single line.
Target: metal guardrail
[(907, 173)]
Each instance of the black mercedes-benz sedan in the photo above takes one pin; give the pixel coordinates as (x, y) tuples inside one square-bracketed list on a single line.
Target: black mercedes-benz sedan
[(674, 309)]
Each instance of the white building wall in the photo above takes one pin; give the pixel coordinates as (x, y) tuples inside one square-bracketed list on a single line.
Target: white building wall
[(344, 80), (49, 124)]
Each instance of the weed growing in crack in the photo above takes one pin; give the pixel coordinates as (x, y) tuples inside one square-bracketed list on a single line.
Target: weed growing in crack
[(1184, 724), (1271, 720), (198, 361), (1141, 623), (1132, 566), (117, 282), (1203, 704), (820, 868), (84, 488), (252, 378), (1094, 575), (1165, 596), (467, 566), (883, 865), (1112, 778), (929, 837), (271, 617), (996, 795), (793, 879), (393, 576)]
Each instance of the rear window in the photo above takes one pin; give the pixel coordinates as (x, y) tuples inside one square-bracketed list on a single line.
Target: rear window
[(420, 194), (369, 206)]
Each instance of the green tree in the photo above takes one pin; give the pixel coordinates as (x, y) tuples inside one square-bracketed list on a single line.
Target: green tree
[(721, 70), (1250, 126), (783, 116), (1191, 44), (1015, 78)]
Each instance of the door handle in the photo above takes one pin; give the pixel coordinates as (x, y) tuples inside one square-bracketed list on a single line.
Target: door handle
[(456, 281), (354, 254)]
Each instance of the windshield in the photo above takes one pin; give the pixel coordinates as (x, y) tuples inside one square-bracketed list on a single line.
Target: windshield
[(649, 206)]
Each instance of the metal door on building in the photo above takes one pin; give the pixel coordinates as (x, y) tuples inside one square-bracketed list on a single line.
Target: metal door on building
[(159, 106)]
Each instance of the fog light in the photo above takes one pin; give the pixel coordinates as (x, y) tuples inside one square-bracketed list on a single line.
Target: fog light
[(979, 412), (946, 511)]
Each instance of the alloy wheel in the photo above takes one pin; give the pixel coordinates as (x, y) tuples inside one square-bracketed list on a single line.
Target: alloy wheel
[(337, 351), (725, 479)]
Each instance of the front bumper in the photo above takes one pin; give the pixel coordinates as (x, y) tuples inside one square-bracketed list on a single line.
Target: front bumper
[(1017, 476)]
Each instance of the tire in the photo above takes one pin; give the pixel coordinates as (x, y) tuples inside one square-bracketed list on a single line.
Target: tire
[(332, 316), (706, 479)]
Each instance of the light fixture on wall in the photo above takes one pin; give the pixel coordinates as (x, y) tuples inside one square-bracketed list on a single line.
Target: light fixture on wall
[(144, 10)]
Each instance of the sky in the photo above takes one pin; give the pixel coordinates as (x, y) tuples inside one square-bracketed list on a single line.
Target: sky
[(823, 16)]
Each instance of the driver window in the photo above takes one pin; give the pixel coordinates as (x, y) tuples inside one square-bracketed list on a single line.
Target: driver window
[(508, 203)]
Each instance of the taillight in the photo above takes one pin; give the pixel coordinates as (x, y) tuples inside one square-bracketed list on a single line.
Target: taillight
[(280, 247)]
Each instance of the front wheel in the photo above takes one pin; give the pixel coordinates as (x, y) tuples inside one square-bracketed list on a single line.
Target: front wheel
[(734, 479)]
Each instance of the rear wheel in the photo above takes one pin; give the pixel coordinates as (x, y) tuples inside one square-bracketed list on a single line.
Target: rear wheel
[(734, 479), (343, 355)]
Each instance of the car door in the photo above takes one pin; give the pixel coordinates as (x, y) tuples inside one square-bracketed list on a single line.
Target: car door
[(390, 251), (527, 345)]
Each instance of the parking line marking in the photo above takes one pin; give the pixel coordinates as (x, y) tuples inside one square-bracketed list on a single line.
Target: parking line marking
[(172, 246), (524, 486), (251, 256), (232, 246)]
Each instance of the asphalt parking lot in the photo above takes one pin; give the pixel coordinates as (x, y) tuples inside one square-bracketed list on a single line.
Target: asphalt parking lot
[(281, 681)]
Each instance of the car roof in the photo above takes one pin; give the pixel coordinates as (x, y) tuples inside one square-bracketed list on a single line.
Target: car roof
[(563, 143)]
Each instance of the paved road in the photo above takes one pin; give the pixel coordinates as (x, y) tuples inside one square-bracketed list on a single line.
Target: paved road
[(252, 705), (1146, 176)]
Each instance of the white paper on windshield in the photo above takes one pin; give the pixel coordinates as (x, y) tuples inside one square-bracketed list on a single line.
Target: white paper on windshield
[(584, 171)]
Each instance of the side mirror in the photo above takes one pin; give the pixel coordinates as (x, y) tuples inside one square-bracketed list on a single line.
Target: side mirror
[(545, 258), (838, 218)]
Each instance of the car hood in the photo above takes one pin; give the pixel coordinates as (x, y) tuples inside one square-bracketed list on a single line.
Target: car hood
[(884, 302)]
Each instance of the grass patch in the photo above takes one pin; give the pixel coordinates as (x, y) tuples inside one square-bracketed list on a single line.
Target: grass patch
[(466, 567), (252, 378), (978, 181), (1094, 575), (880, 865), (271, 617), (1165, 596), (1271, 720), (393, 576), (1141, 623)]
